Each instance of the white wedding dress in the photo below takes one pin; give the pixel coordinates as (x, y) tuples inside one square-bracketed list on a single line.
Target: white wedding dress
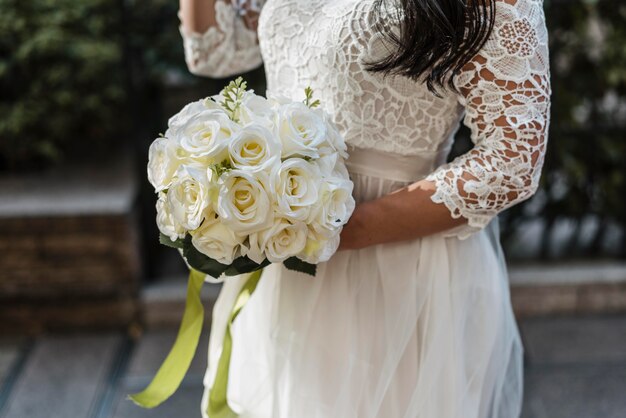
[(422, 328)]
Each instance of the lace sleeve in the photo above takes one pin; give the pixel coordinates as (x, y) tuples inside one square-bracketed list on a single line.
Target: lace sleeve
[(224, 50), (505, 90)]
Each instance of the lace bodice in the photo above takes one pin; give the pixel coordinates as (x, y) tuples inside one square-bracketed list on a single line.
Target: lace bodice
[(504, 91)]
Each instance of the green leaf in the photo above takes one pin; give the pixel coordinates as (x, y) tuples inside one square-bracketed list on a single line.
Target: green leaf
[(294, 263), (220, 168), (244, 265), (308, 100), (233, 96), (165, 240)]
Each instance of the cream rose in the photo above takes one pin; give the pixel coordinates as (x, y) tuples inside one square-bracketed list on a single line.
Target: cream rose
[(276, 100), (162, 163), (336, 203), (254, 147), (217, 241), (283, 239), (332, 165), (321, 244), (334, 140), (190, 109), (166, 222), (257, 110), (205, 136), (301, 130), (294, 184), (188, 196), (243, 201)]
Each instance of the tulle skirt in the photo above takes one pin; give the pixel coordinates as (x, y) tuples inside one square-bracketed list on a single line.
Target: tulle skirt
[(421, 328)]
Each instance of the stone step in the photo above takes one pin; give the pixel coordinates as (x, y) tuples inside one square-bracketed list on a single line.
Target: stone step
[(536, 290), (568, 288), (62, 377), (89, 375), (162, 302)]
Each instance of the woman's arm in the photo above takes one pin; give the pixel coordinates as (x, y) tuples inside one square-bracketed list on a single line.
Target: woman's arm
[(197, 15), (218, 41), (406, 214), (506, 91)]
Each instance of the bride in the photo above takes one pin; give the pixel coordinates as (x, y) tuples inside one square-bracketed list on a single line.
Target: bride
[(412, 316)]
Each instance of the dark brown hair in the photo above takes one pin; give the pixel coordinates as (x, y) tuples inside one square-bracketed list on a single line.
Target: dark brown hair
[(436, 38)]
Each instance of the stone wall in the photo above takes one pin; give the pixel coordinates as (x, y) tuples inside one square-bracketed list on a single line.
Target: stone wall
[(69, 248)]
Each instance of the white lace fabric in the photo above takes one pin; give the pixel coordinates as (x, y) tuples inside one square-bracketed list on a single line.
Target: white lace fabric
[(506, 96), (224, 50), (504, 92)]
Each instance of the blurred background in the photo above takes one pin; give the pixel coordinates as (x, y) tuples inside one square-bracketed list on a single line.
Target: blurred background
[(90, 302)]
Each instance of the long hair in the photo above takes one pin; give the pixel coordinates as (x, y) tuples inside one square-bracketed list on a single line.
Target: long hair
[(436, 38)]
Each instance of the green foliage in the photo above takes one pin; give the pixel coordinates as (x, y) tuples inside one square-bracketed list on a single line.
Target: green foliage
[(233, 96), (221, 168), (69, 68), (213, 268), (240, 265), (587, 146), (60, 78), (308, 100), (165, 240), (294, 263), (151, 29)]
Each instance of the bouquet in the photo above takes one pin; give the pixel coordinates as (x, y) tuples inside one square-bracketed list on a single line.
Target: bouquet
[(244, 181)]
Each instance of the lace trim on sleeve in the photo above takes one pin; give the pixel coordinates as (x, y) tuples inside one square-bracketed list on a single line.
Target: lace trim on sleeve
[(224, 50), (505, 91)]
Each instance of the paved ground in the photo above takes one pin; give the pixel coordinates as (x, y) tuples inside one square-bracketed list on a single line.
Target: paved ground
[(575, 368)]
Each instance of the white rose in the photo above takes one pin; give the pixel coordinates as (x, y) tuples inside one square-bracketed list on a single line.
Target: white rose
[(283, 239), (321, 244), (217, 241), (294, 184), (276, 100), (301, 130), (210, 103), (188, 196), (166, 222), (180, 118), (340, 170), (205, 136), (332, 165), (190, 109), (162, 163), (256, 109), (334, 139), (243, 201), (336, 203), (254, 147)]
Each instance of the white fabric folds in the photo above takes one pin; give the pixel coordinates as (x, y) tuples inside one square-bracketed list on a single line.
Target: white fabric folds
[(422, 328)]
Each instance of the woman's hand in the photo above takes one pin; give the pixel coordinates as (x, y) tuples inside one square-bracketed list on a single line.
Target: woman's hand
[(405, 214)]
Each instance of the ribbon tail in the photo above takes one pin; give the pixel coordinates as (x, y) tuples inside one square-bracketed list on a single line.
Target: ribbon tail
[(218, 406), (176, 364)]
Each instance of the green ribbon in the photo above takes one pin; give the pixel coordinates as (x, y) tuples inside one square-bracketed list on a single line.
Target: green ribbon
[(173, 370), (175, 366), (218, 406)]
